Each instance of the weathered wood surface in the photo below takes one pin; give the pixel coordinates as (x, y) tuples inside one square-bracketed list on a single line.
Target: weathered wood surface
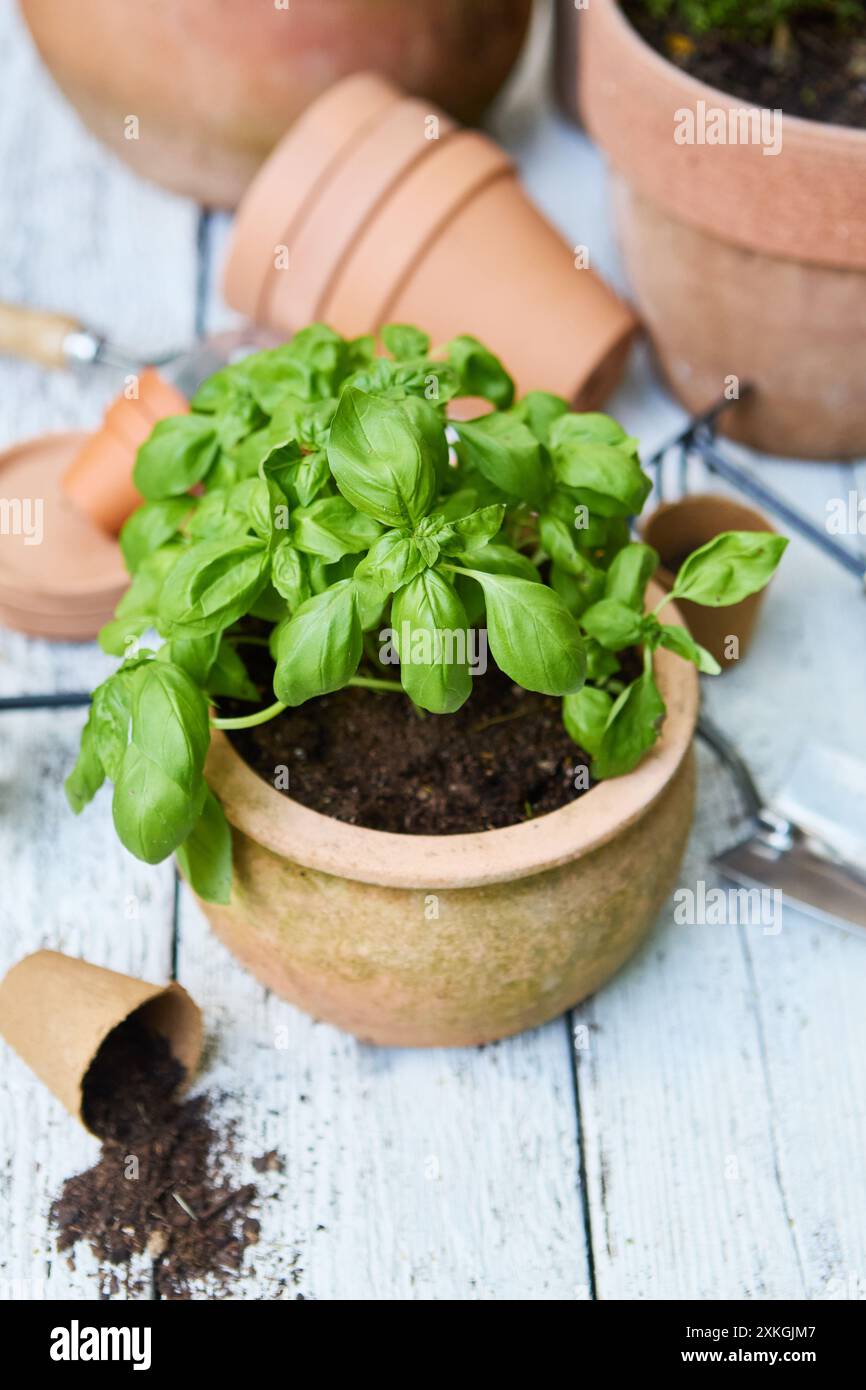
[(713, 1096)]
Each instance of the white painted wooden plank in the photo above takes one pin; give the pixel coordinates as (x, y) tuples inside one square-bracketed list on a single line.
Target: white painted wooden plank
[(409, 1174), (82, 235)]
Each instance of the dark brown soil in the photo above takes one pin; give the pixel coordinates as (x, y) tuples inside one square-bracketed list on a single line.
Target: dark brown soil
[(371, 759), (820, 74), (158, 1188)]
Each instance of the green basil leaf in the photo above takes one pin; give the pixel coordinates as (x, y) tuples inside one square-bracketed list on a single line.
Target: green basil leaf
[(138, 609), (577, 590), (228, 675), (383, 460), (494, 558), (533, 637), (607, 474), (632, 728), (539, 409), (480, 373), (402, 340), (205, 856), (506, 452), (729, 568), (612, 623), (213, 585), (433, 642), (332, 528), (474, 531), (310, 477), (678, 639), (600, 664), (195, 655), (88, 774), (585, 715), (159, 789), (319, 649), (178, 454), (393, 561), (289, 574), (150, 527), (630, 572)]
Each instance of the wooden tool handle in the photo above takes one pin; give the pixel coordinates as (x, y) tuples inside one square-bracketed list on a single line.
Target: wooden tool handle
[(35, 334)]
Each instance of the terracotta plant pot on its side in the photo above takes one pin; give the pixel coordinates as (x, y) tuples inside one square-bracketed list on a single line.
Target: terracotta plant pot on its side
[(214, 83), (451, 940), (675, 529), (413, 220), (742, 263)]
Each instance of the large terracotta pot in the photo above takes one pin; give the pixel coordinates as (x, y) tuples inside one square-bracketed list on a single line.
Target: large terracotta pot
[(419, 940), (214, 83), (742, 263)]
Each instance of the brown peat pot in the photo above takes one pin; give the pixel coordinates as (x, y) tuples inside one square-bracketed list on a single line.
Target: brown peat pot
[(742, 263), (452, 940)]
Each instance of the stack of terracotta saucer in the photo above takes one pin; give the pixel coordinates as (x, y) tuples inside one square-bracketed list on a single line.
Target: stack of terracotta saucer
[(376, 208), (63, 498)]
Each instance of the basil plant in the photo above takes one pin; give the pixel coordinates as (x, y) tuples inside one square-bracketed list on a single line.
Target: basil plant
[(320, 490)]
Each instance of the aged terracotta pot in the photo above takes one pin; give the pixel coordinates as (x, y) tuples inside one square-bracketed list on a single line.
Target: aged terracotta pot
[(214, 85), (742, 263), (405, 218), (418, 940), (675, 529)]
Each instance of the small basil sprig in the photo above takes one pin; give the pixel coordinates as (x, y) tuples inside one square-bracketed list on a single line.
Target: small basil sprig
[(317, 498)]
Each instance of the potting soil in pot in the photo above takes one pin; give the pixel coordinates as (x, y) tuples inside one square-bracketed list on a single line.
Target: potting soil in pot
[(372, 759), (815, 69), (159, 1188)]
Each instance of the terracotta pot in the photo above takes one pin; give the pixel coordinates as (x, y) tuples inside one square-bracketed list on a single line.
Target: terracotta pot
[(675, 529), (430, 231), (99, 480), (363, 288), (215, 85), (451, 940), (301, 163), (322, 238), (498, 270), (742, 263)]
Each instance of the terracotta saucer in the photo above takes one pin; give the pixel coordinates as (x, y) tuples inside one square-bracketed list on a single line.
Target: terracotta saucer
[(59, 574)]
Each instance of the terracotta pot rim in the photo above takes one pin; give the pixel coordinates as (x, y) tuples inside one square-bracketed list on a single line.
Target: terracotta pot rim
[(667, 504), (321, 843), (803, 205), (817, 131)]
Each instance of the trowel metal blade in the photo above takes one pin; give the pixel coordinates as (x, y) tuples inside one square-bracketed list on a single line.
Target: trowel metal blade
[(819, 885)]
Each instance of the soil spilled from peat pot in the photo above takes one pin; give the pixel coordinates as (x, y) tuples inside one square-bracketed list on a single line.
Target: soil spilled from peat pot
[(159, 1188), (372, 759), (815, 68)]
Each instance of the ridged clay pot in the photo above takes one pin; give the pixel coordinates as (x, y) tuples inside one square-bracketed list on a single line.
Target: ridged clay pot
[(741, 263), (452, 940), (99, 479), (437, 231), (214, 85), (675, 529)]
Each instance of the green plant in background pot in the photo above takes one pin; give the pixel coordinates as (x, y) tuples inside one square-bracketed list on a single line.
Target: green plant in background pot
[(316, 494)]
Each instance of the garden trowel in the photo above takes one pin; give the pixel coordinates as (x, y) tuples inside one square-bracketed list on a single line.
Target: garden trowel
[(811, 843)]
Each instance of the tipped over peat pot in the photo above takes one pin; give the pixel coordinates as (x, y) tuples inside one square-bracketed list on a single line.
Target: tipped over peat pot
[(742, 263), (452, 940), (214, 85), (376, 208)]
